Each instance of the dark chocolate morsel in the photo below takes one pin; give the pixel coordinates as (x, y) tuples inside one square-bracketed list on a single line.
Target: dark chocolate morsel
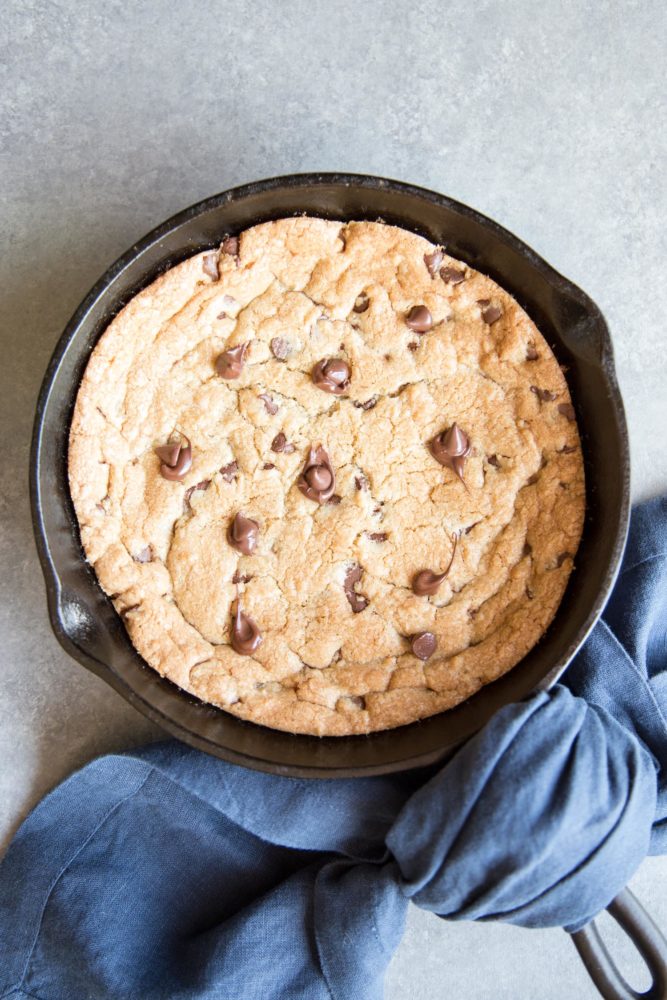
[(269, 404), (317, 481), (281, 444), (331, 375), (176, 459), (378, 536), (280, 348), (544, 395), (493, 460), (230, 363), (452, 275), (242, 534), (361, 303), (357, 601), (334, 500), (427, 582), (203, 485), (361, 482), (567, 410), (368, 404), (230, 245), (423, 645), (228, 472), (245, 636), (490, 313), (433, 261), (451, 448), (531, 353), (419, 319)]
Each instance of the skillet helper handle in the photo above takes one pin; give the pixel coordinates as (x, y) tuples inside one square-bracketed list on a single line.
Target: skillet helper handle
[(645, 935)]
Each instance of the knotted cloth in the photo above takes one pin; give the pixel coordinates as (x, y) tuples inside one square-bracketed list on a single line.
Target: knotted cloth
[(164, 872)]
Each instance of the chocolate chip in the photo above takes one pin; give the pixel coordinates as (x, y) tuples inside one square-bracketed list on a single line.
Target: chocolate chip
[(531, 353), (242, 534), (567, 410), (245, 637), (419, 319), (356, 601), (423, 645), (361, 303), (561, 558), (230, 363), (544, 395), (567, 449), (176, 459), (317, 481), (527, 549), (361, 482), (130, 607), (452, 275), (203, 485), (222, 315), (427, 583), (470, 527), (145, 556), (241, 578), (270, 406), (368, 404), (331, 375), (451, 448), (493, 460), (228, 472), (268, 465), (230, 246), (210, 266), (433, 261), (280, 444), (490, 313), (334, 500), (413, 345), (532, 479), (378, 536), (280, 348)]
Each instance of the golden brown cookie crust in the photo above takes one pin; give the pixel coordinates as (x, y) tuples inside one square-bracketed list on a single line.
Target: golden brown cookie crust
[(160, 549)]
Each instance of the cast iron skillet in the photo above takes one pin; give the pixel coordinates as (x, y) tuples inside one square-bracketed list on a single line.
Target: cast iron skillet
[(85, 621)]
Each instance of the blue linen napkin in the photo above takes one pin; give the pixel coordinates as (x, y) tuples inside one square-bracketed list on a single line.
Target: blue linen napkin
[(165, 873)]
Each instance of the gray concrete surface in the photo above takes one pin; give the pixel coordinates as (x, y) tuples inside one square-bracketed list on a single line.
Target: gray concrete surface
[(113, 116)]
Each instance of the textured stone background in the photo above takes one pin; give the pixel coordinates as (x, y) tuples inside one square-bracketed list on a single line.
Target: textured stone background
[(113, 116)]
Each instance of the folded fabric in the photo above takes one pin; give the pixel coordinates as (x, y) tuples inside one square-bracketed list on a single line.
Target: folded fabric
[(165, 873)]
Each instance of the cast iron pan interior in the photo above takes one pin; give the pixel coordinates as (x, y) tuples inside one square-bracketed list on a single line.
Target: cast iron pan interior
[(84, 619)]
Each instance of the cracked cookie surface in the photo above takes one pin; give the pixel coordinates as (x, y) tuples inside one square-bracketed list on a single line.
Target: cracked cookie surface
[(328, 585)]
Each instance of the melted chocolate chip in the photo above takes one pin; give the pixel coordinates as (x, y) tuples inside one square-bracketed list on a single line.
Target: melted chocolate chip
[(493, 460), (561, 558), (334, 500), (357, 601), (361, 303), (280, 444), (490, 313), (567, 410), (230, 363), (317, 481), (245, 636), (230, 246), (203, 485), (228, 472), (419, 319), (427, 583), (544, 395), (241, 578), (433, 261), (413, 345), (531, 353), (176, 459), (378, 536), (532, 479), (268, 465), (242, 534), (145, 556), (361, 482), (451, 448), (331, 375), (210, 266), (269, 404), (368, 404), (527, 549), (452, 275), (280, 348), (423, 645)]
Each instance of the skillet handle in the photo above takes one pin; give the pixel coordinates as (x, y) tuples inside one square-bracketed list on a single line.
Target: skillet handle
[(648, 939)]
